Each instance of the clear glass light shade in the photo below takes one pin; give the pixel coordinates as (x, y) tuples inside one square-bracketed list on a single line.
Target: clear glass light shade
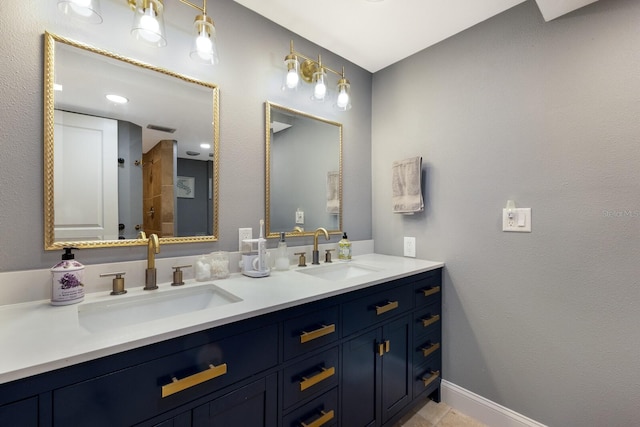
[(319, 85), (292, 77), (343, 100), (204, 49), (148, 22), (85, 10)]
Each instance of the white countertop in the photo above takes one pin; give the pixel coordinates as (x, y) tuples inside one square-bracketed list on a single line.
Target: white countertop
[(37, 337)]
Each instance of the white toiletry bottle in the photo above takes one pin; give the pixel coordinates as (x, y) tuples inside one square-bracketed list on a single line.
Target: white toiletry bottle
[(67, 280), (344, 248), (282, 257)]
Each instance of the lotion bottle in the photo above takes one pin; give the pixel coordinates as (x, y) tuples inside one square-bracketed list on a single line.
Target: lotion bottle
[(344, 248), (282, 257), (67, 280)]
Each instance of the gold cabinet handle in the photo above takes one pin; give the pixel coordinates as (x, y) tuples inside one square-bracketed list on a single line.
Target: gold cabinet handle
[(384, 347), (320, 332), (431, 291), (391, 305), (309, 382), (178, 385), (325, 418), (434, 375), (387, 346), (431, 320), (428, 350), (381, 349)]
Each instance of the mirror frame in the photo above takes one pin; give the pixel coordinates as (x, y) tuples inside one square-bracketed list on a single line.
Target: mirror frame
[(49, 215), (276, 234)]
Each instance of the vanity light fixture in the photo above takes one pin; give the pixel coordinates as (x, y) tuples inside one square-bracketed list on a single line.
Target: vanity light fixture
[(148, 26), (85, 10), (315, 72)]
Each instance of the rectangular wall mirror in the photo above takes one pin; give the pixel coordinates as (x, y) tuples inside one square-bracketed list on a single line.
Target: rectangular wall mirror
[(303, 172), (114, 169)]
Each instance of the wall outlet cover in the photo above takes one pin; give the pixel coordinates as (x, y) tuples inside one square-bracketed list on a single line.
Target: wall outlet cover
[(520, 223), (243, 234), (410, 247)]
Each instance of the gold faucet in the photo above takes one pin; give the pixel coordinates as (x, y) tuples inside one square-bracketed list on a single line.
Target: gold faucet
[(316, 253), (153, 247)]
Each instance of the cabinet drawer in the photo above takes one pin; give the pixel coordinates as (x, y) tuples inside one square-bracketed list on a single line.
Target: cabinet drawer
[(363, 312), (133, 394), (310, 376), (428, 290), (426, 320), (310, 331), (426, 346), (322, 411), (426, 377)]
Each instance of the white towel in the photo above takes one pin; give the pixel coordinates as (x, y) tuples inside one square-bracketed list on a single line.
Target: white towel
[(333, 192), (407, 186)]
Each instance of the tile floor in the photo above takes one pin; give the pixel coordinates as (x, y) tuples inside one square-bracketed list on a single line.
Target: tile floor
[(437, 415)]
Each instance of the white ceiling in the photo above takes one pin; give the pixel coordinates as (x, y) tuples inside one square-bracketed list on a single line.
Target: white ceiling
[(377, 33)]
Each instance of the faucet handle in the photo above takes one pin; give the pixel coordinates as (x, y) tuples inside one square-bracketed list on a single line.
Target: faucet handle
[(177, 275), (118, 282), (302, 261), (327, 255)]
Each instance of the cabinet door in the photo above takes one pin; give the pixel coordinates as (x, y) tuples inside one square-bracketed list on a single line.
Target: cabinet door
[(252, 405), (395, 374), (20, 414), (359, 380)]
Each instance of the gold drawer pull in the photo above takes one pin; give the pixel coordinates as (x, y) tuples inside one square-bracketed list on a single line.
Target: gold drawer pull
[(391, 305), (428, 350), (434, 375), (325, 418), (431, 320), (309, 382), (324, 330), (431, 291), (192, 380)]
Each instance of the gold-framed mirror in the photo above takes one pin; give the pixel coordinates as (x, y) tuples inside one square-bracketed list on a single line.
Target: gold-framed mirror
[(114, 170), (303, 182)]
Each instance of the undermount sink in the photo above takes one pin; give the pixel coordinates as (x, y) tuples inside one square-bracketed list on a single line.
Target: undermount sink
[(124, 311), (338, 271)]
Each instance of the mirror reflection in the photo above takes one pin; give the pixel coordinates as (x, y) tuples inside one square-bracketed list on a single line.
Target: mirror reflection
[(303, 172), (128, 147)]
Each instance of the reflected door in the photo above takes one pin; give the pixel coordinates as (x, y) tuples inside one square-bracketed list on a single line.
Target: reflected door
[(86, 177)]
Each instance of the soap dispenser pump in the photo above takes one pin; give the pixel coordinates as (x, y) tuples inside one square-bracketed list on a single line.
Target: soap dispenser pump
[(344, 248), (67, 280)]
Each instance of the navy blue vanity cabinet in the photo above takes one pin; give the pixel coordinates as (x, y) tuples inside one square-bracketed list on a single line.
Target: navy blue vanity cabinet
[(23, 413), (385, 369), (254, 405), (427, 335), (136, 393)]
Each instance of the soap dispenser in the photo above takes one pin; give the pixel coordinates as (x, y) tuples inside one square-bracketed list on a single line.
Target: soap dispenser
[(282, 257), (344, 248), (67, 280)]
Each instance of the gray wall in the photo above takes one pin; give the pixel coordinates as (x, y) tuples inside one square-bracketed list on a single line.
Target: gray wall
[(252, 50), (546, 114)]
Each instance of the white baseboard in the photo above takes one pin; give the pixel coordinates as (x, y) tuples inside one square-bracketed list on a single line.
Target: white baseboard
[(482, 409)]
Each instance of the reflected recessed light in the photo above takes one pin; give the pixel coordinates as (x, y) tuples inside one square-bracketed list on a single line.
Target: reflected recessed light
[(205, 146), (116, 98), (192, 153), (57, 87)]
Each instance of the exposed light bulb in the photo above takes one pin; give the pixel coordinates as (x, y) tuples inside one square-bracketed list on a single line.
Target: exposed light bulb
[(292, 78), (343, 98), (204, 46), (320, 90), (149, 27)]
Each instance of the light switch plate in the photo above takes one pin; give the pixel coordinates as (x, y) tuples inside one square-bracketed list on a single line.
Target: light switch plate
[(410, 247), (521, 223)]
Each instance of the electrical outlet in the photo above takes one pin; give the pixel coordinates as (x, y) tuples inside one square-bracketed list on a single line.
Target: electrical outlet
[(243, 234), (410, 247)]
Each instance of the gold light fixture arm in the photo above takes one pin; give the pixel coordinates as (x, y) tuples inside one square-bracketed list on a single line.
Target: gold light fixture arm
[(310, 65)]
